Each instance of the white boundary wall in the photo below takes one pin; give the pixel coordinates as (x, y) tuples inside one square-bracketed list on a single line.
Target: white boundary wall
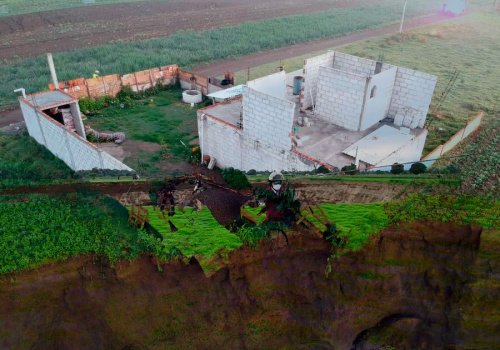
[(459, 136), (71, 148)]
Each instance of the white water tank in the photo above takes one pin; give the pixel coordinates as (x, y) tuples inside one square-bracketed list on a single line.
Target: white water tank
[(192, 96)]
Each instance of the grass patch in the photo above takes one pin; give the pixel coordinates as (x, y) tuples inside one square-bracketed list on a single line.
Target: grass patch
[(188, 48), (38, 229), (357, 222), (402, 179), (24, 162), (162, 119), (199, 233)]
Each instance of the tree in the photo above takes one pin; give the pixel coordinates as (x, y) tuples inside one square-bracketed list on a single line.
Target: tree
[(350, 169), (418, 168), (397, 168)]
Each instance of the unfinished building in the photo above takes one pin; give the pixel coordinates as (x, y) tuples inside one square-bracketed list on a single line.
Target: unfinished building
[(340, 109), (54, 120)]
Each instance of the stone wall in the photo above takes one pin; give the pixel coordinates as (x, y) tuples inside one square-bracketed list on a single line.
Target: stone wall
[(71, 148), (340, 97)]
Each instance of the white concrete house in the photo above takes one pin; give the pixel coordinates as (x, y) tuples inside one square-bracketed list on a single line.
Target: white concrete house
[(347, 106)]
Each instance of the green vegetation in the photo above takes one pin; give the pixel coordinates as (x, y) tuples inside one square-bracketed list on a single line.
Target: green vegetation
[(198, 234), (445, 208), (357, 222), (24, 162), (434, 178), (418, 168), (479, 171), (162, 120), (37, 229), (187, 48), (18, 7), (397, 168), (235, 178)]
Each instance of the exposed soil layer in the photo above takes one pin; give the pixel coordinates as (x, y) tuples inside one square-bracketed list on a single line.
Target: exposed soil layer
[(410, 281), (63, 30)]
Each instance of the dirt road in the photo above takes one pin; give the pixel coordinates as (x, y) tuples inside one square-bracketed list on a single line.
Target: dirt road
[(57, 31), (259, 58)]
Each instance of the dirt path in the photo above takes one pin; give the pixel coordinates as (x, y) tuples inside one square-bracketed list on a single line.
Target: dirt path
[(64, 30), (241, 63)]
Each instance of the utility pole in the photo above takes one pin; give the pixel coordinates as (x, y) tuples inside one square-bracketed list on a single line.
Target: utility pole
[(403, 18)]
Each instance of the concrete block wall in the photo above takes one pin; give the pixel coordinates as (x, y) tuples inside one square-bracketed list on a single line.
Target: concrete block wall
[(413, 91), (232, 148), (354, 64), (310, 73), (340, 97), (268, 119), (71, 148)]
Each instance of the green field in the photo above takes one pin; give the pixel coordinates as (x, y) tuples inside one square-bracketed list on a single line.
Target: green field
[(37, 229), (189, 48), (199, 234), (469, 44), (18, 7), (24, 162), (161, 119), (357, 222)]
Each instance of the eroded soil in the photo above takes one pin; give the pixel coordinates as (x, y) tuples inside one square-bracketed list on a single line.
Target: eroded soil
[(411, 283)]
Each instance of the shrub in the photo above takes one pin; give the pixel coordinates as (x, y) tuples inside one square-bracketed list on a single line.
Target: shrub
[(350, 169), (322, 170), (397, 168), (418, 168), (251, 235), (235, 178), (252, 172)]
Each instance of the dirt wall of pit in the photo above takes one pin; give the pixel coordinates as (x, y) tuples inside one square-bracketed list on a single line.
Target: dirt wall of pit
[(414, 282)]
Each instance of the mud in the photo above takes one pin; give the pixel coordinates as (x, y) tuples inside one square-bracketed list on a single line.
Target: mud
[(411, 282)]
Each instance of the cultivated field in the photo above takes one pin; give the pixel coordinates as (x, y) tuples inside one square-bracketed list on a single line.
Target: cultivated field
[(189, 48), (67, 29)]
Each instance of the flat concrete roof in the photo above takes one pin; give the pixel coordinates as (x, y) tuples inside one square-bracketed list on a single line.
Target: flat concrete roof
[(380, 143), (49, 99), (229, 112)]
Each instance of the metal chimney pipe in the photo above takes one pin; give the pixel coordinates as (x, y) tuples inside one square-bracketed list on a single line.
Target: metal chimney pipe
[(53, 71)]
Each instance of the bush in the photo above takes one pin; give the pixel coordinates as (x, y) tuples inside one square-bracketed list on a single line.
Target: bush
[(397, 168), (251, 235), (322, 170), (350, 169), (235, 178), (418, 168), (252, 172)]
